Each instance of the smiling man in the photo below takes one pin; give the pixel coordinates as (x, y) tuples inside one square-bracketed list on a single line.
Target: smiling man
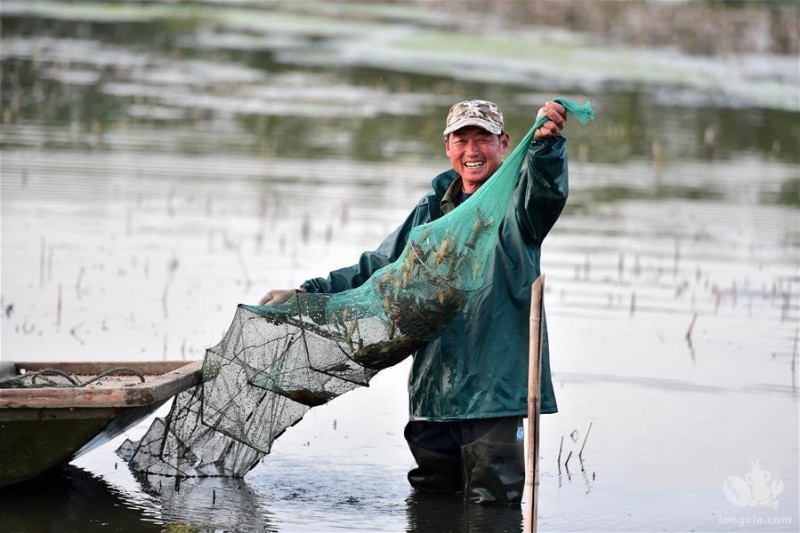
[(475, 142), (468, 387)]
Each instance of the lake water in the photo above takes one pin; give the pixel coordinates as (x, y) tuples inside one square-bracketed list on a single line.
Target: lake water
[(162, 163)]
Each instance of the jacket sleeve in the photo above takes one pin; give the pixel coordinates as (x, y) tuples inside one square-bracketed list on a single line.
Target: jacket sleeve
[(542, 188), (354, 276)]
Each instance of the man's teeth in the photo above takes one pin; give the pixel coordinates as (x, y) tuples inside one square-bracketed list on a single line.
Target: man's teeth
[(473, 164)]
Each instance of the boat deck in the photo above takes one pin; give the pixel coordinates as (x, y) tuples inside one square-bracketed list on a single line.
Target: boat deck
[(162, 380)]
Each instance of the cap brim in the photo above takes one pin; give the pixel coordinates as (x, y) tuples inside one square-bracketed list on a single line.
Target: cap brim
[(491, 127)]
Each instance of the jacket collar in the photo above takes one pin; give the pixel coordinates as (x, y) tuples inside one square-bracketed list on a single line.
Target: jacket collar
[(452, 196), (447, 187), (441, 182)]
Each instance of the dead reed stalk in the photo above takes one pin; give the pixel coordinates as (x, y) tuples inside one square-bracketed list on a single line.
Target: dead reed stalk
[(691, 327), (585, 438), (58, 307), (794, 351)]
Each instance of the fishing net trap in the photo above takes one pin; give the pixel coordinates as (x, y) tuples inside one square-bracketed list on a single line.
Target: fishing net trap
[(278, 361)]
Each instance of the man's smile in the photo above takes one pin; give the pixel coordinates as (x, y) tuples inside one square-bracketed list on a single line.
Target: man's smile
[(473, 164)]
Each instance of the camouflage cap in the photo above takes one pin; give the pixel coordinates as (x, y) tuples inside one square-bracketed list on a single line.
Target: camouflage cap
[(479, 113)]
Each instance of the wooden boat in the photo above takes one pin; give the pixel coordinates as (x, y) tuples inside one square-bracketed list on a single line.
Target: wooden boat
[(45, 426)]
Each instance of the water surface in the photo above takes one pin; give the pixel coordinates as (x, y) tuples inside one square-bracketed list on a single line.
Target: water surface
[(161, 164)]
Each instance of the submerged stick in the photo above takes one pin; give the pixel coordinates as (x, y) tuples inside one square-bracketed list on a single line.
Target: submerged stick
[(74, 333), (78, 283), (534, 404)]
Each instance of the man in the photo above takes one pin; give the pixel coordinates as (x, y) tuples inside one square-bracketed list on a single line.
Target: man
[(468, 387)]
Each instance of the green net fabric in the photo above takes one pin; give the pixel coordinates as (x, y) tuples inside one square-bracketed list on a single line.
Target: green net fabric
[(276, 362)]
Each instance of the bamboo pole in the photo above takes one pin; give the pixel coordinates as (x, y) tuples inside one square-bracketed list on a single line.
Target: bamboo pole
[(534, 404)]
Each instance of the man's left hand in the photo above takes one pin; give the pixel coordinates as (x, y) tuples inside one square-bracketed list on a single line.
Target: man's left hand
[(558, 119)]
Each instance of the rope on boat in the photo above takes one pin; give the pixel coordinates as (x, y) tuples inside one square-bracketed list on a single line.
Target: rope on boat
[(28, 380)]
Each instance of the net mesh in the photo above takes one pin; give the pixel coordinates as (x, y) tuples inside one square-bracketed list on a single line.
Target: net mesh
[(276, 362)]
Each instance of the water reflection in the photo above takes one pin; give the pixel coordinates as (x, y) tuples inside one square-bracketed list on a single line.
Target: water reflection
[(448, 513), (209, 503), (72, 500)]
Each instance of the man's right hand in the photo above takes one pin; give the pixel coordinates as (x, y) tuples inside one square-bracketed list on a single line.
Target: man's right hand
[(558, 119), (278, 296)]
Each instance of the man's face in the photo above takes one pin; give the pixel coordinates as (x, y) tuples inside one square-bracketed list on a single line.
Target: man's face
[(475, 154)]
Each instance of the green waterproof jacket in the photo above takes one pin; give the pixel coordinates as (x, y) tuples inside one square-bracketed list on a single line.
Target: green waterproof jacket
[(478, 367)]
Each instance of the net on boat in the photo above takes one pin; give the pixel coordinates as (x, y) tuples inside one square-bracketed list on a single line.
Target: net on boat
[(276, 362)]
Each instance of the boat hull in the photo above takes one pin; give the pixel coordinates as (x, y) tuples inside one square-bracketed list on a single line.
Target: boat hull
[(45, 427)]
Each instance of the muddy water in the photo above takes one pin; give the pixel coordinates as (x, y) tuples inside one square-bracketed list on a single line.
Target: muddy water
[(162, 164)]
